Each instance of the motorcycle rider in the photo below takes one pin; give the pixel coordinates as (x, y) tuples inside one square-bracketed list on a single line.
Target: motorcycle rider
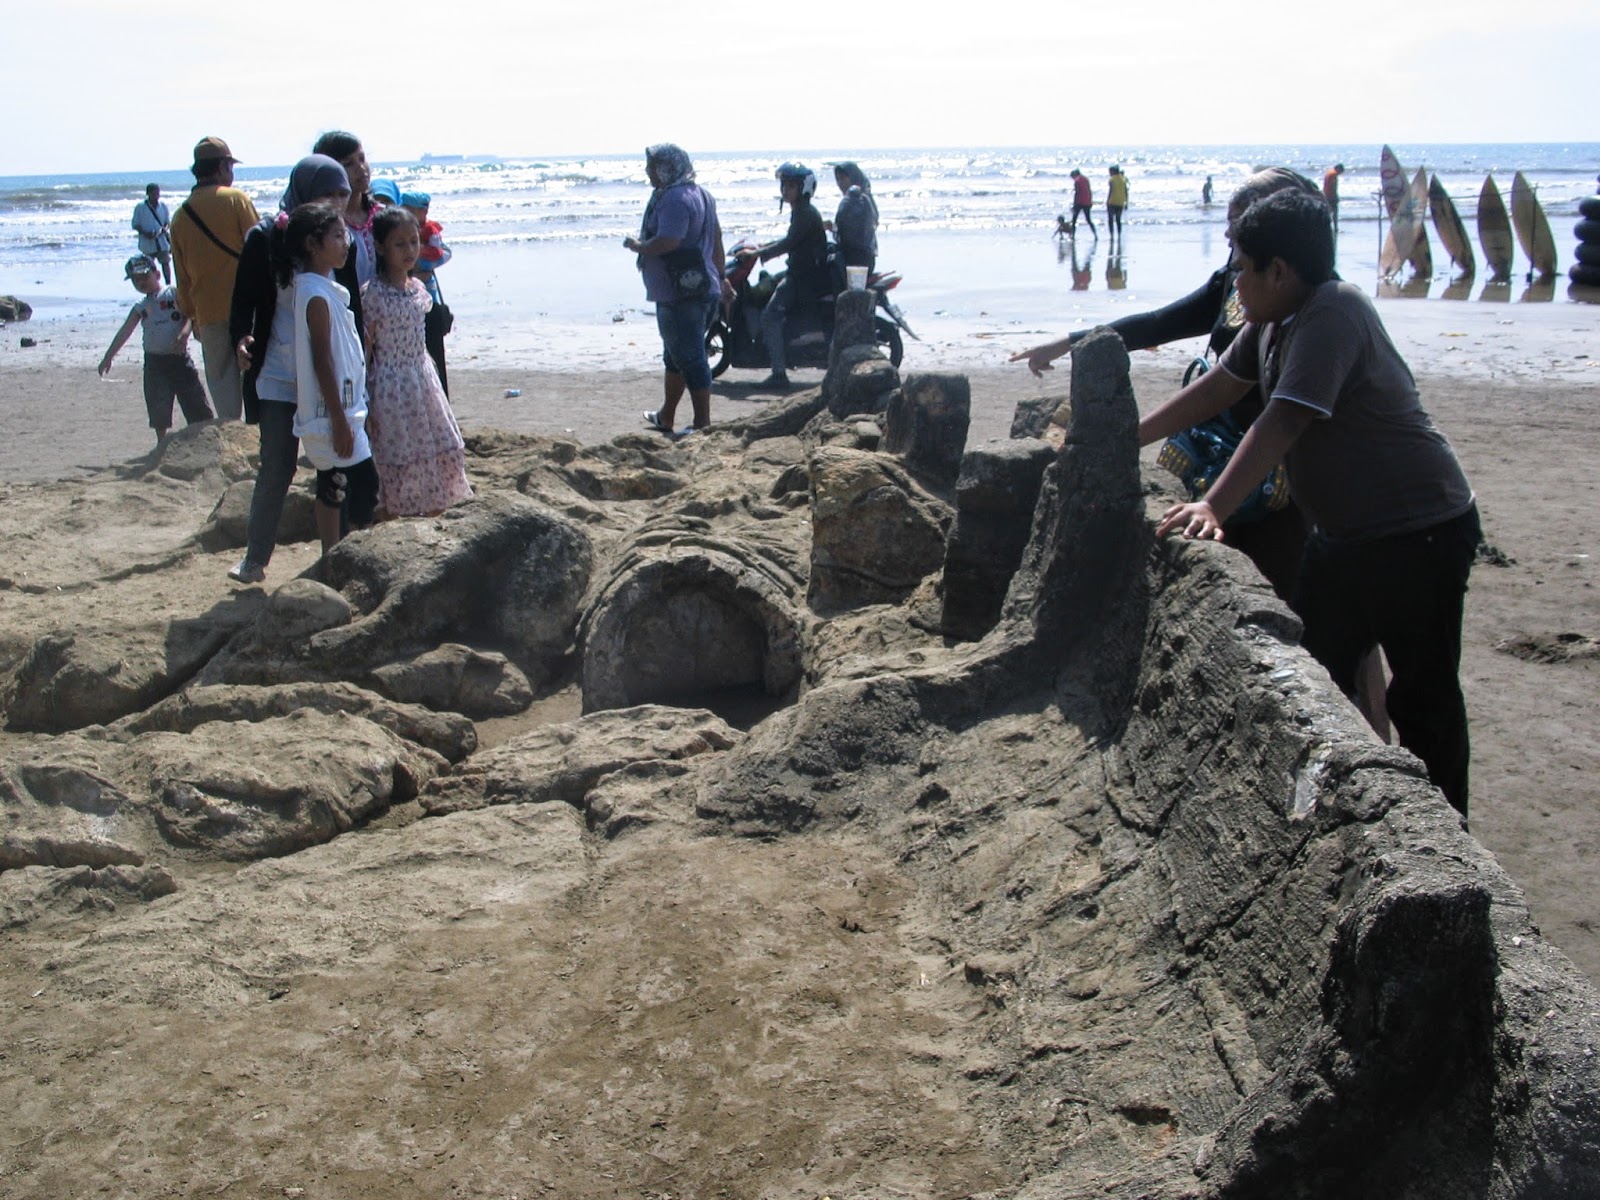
[(806, 244)]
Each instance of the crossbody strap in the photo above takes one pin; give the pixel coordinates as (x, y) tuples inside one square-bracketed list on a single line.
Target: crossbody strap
[(205, 229)]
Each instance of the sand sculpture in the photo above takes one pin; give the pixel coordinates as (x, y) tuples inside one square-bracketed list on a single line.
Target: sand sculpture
[(916, 833)]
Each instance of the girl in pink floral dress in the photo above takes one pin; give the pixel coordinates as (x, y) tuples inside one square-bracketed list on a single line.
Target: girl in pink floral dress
[(422, 463)]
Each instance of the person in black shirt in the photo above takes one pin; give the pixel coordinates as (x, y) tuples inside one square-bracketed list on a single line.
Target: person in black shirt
[(806, 244)]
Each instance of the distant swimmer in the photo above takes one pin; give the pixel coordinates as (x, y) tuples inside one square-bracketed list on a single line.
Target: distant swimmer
[(1205, 193), (1330, 189)]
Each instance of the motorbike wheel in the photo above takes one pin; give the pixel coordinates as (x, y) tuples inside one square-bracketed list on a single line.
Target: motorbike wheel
[(719, 348), (888, 335)]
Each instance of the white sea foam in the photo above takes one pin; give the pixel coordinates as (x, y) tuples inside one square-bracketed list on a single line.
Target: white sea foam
[(539, 268)]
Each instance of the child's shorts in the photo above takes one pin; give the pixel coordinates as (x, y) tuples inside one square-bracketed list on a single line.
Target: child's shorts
[(169, 375), (353, 490)]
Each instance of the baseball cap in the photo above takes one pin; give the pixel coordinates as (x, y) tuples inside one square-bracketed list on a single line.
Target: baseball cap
[(209, 149), (138, 265)]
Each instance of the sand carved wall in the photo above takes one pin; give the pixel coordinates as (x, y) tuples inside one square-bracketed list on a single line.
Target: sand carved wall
[(1119, 899)]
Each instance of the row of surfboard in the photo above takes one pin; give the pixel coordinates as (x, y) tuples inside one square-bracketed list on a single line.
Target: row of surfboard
[(1410, 202)]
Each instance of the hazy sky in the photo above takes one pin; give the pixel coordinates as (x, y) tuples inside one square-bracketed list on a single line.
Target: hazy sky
[(107, 85)]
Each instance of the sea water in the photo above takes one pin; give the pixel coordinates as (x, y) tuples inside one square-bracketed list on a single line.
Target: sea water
[(539, 277)]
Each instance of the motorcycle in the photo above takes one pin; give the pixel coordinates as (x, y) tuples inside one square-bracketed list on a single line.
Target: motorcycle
[(734, 339)]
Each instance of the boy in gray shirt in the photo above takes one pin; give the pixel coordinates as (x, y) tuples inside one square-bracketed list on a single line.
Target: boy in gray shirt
[(169, 372), (1394, 523)]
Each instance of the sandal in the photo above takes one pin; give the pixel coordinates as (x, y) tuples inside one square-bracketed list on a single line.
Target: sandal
[(653, 420)]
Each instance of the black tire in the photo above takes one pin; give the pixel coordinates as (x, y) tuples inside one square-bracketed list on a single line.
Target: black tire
[(1588, 253), (888, 335), (1585, 274), (1589, 207), (719, 350), (1588, 231)]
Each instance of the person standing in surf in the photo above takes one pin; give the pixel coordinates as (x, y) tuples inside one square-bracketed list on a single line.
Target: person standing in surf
[(1330, 190), (1116, 201), (151, 221), (1082, 202)]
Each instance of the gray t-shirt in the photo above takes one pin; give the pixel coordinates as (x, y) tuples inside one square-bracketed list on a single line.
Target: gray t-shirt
[(162, 323), (1374, 464)]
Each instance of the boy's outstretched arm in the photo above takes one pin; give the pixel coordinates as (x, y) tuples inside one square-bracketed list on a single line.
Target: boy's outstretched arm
[(1263, 447), (121, 340)]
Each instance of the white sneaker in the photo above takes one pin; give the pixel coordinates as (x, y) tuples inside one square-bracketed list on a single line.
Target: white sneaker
[(245, 571)]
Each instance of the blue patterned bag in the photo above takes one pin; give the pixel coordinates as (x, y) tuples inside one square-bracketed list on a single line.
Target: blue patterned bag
[(1199, 454)]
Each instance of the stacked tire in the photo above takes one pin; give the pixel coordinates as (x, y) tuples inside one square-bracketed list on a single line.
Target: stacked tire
[(1586, 270)]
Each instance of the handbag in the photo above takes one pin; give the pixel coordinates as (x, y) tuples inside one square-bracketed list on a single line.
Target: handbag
[(686, 271), (1198, 455), (685, 266)]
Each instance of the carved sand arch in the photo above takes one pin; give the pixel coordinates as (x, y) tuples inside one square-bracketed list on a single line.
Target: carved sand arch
[(687, 618)]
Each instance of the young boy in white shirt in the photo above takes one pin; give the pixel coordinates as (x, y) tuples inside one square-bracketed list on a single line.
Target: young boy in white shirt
[(169, 372)]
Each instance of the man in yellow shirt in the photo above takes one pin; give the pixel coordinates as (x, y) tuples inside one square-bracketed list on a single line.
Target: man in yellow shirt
[(207, 234)]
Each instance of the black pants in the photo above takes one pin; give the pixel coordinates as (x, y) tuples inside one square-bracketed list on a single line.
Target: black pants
[(1405, 593)]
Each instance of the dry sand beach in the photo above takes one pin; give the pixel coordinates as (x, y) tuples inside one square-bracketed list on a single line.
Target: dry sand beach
[(447, 1035)]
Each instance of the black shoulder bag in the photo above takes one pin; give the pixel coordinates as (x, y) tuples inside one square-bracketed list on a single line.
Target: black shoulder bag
[(686, 268), (205, 229)]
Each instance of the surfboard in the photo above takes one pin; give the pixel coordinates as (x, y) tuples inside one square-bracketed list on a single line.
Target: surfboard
[(1406, 239), (1533, 229), (1452, 233), (1494, 230), (1392, 179), (1421, 255), (1399, 242)]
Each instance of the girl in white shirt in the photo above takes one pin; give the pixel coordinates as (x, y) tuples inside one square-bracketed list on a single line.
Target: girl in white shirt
[(330, 374)]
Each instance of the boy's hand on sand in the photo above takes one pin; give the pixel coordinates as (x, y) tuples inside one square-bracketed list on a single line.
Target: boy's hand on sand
[(1193, 520), (105, 366)]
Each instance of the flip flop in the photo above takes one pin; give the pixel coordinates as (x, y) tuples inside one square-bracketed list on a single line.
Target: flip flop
[(653, 420)]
